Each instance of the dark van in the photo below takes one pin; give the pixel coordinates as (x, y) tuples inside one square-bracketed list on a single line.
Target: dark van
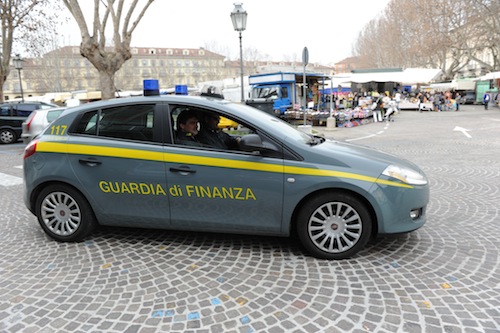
[(12, 116)]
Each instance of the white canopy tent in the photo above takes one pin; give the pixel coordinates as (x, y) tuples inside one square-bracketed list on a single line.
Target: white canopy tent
[(408, 76), (490, 76), (460, 84)]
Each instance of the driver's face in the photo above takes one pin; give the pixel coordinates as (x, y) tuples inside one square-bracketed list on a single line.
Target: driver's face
[(213, 121)]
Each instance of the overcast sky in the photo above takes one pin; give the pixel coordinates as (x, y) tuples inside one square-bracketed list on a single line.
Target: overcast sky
[(277, 28)]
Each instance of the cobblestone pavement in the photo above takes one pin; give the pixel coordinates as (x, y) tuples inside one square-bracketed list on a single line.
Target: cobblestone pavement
[(444, 277)]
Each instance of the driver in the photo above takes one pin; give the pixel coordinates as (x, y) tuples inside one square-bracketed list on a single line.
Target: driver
[(211, 135)]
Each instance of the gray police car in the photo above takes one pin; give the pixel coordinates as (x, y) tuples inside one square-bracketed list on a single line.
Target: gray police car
[(118, 163)]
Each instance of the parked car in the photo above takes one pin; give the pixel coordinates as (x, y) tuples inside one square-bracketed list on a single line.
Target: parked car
[(469, 97), (12, 115), (38, 120), (118, 163)]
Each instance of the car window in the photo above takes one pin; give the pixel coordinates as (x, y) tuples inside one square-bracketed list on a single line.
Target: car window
[(5, 110), (132, 122), (25, 109), (223, 134)]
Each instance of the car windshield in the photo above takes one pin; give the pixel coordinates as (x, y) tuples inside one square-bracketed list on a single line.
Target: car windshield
[(278, 127), (53, 114), (266, 92)]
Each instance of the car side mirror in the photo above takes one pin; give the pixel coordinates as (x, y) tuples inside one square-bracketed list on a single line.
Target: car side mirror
[(251, 143)]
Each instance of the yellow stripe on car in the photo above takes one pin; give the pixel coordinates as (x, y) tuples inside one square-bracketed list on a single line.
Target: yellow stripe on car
[(55, 147)]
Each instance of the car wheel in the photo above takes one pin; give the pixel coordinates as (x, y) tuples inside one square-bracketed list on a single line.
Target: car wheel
[(334, 226), (64, 214), (7, 136)]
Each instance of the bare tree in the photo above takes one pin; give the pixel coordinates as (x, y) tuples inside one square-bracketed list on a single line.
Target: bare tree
[(107, 59), (445, 34), (488, 27), (215, 47), (25, 23)]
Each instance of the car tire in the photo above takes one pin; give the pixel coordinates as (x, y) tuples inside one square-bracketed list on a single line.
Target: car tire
[(7, 136), (334, 226), (64, 213)]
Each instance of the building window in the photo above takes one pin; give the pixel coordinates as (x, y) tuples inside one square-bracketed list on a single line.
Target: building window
[(135, 51), (152, 51), (170, 52), (201, 52), (185, 52)]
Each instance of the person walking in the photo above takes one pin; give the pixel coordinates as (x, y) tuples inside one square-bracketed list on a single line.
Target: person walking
[(486, 100), (397, 98), (377, 108), (421, 99)]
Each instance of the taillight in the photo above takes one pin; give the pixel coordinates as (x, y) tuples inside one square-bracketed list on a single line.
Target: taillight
[(30, 119), (30, 149)]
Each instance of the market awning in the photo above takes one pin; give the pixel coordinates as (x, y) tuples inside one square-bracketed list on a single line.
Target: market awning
[(408, 76), (490, 76)]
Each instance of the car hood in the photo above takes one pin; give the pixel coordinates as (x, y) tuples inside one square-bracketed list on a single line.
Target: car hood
[(357, 156)]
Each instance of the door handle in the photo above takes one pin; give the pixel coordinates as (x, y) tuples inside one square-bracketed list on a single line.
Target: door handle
[(89, 161), (182, 170)]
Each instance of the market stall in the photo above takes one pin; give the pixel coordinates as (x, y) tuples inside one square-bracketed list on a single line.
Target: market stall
[(364, 83)]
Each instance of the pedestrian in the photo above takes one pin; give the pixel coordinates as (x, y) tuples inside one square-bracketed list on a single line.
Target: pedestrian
[(421, 100), (391, 110), (486, 100), (457, 101), (355, 100), (436, 101), (377, 108), (397, 98)]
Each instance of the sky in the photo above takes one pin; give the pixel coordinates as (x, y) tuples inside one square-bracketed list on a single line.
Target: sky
[(279, 29)]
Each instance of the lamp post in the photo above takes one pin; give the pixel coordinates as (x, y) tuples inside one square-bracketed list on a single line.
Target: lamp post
[(18, 63), (239, 18)]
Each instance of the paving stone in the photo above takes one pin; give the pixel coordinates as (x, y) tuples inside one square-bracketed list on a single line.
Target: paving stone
[(127, 280)]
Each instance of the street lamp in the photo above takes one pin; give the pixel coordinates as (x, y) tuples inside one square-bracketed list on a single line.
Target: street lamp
[(18, 63), (239, 18)]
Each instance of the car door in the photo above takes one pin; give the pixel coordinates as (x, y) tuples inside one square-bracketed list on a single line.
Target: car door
[(117, 159), (224, 190)]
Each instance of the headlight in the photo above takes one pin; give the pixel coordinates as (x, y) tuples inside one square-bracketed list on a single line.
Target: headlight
[(406, 175)]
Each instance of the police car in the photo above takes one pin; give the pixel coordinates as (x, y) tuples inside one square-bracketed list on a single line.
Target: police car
[(117, 163)]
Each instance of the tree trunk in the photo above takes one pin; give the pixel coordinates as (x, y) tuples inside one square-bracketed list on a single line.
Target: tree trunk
[(2, 81), (107, 84)]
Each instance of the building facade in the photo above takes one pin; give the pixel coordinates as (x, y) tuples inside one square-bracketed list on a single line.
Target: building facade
[(66, 70)]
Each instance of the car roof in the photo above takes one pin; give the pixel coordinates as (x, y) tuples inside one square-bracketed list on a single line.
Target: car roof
[(198, 100), (26, 102), (57, 108)]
